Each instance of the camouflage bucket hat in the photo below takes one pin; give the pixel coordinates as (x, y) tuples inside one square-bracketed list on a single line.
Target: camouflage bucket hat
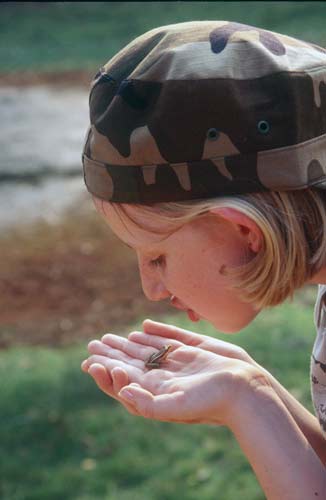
[(207, 108)]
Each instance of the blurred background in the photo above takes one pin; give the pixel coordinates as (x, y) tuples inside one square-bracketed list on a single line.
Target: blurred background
[(65, 279)]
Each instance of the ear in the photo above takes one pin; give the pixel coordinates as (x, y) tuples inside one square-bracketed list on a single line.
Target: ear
[(244, 224)]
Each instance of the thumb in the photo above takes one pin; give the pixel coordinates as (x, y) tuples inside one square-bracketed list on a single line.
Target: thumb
[(171, 331), (162, 329), (161, 407), (150, 326)]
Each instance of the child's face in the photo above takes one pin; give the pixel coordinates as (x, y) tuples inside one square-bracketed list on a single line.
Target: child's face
[(187, 264)]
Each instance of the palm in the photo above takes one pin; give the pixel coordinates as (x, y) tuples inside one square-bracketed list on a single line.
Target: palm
[(182, 365), (188, 387)]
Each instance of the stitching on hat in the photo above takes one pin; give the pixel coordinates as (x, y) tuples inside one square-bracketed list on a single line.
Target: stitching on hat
[(291, 148)]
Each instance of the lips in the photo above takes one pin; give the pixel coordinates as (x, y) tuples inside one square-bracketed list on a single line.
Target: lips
[(192, 315)]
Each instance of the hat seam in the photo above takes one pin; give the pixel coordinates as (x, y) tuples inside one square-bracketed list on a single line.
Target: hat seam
[(305, 72)]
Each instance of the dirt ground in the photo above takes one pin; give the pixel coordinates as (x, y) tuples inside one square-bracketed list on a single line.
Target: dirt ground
[(68, 282), (28, 78)]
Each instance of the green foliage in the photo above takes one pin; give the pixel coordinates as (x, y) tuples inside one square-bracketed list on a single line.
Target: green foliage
[(62, 438), (84, 35)]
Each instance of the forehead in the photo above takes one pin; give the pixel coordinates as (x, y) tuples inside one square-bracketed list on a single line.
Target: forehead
[(129, 228), (160, 235)]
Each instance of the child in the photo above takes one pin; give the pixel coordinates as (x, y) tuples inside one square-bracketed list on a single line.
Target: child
[(207, 155)]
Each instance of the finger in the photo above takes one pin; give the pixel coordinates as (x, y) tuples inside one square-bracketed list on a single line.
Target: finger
[(221, 347), (119, 378), (109, 364), (132, 349), (102, 378), (171, 331), (226, 349), (131, 409), (162, 407), (153, 340), (104, 382), (84, 366), (96, 347), (205, 342)]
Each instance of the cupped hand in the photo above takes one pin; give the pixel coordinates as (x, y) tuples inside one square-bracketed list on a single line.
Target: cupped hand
[(187, 337), (193, 385)]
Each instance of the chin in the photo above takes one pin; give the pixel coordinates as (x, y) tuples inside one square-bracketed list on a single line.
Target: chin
[(234, 327), (228, 329)]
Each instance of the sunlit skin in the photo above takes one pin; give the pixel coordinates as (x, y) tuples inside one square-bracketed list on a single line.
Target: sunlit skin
[(203, 379), (186, 264), (189, 263)]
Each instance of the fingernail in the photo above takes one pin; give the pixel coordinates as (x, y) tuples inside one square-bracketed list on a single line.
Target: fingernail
[(90, 369), (126, 394)]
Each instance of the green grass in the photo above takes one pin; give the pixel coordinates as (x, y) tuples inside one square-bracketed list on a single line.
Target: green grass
[(62, 438), (84, 35)]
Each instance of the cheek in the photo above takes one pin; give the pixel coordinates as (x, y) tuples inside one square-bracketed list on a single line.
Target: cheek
[(195, 279), (205, 283)]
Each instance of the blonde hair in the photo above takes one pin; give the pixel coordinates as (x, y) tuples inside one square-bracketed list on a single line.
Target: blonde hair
[(293, 225)]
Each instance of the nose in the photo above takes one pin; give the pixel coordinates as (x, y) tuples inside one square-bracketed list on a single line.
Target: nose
[(152, 282)]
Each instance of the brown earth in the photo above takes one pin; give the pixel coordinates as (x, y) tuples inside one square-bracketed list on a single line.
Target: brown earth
[(68, 282), (29, 78)]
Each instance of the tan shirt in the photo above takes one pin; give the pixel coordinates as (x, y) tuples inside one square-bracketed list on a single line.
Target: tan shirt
[(318, 359)]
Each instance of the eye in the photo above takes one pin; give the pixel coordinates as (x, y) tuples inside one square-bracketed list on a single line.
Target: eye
[(157, 262)]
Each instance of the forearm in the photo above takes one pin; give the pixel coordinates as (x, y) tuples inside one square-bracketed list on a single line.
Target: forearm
[(307, 422), (283, 460)]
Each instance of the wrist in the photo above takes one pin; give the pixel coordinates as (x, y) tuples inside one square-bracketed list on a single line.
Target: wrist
[(249, 389), (280, 455)]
